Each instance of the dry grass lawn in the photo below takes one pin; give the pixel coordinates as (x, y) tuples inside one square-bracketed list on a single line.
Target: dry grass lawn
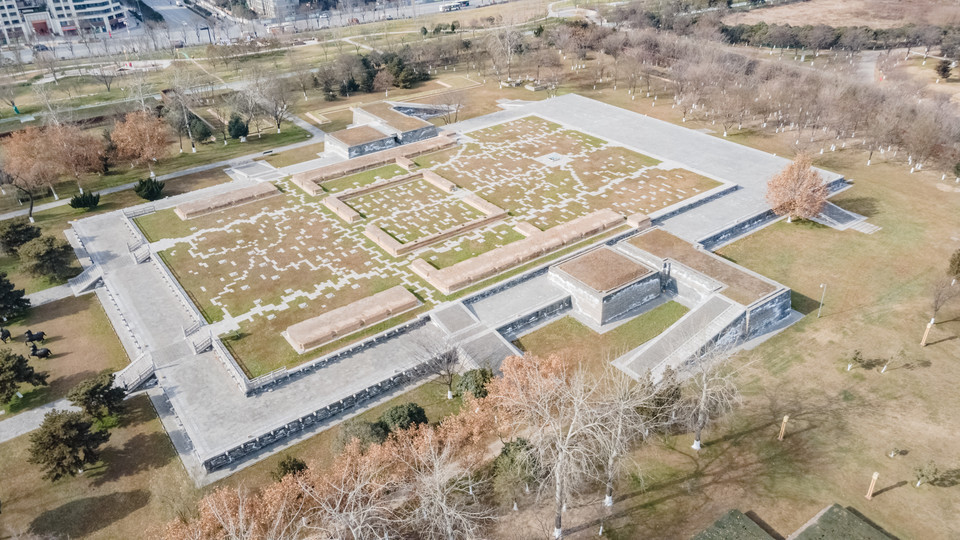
[(872, 13), (83, 344), (136, 488)]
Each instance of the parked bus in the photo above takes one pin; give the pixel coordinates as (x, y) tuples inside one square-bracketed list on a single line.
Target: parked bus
[(454, 6)]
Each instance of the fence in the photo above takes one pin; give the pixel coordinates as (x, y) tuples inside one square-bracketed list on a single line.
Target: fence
[(297, 425), (259, 384)]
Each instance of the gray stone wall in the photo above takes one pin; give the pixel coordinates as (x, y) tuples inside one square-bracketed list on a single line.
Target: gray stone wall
[(373, 146), (767, 313), (426, 132), (522, 324), (691, 286), (304, 422), (602, 309), (630, 297)]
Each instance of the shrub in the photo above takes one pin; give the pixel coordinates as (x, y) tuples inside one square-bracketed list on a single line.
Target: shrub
[(403, 416), (12, 301), (98, 396), (47, 256), (288, 465), (200, 130), (475, 382), (366, 432), (15, 233), (88, 200), (150, 189), (236, 127)]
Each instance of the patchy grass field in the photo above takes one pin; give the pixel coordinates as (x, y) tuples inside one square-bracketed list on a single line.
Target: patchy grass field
[(83, 344), (544, 173), (411, 210), (471, 244), (577, 344), (139, 485), (361, 179)]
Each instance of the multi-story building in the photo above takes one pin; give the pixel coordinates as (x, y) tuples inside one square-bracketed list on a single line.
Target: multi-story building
[(273, 9), (25, 19)]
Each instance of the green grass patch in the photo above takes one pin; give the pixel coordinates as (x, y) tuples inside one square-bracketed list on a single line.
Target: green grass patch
[(573, 341), (363, 178), (469, 248)]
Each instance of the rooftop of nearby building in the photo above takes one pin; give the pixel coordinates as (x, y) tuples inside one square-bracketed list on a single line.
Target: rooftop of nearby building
[(358, 135), (742, 287), (397, 120), (604, 269)]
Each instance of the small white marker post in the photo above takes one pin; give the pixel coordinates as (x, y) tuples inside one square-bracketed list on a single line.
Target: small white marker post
[(783, 427), (873, 484), (926, 333)]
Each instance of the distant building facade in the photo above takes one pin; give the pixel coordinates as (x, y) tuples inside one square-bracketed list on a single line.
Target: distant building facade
[(273, 9), (26, 19)]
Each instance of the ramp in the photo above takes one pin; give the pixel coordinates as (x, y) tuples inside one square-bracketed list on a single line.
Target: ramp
[(837, 218), (682, 340)]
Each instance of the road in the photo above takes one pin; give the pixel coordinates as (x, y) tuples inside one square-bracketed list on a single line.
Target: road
[(184, 25), (176, 16)]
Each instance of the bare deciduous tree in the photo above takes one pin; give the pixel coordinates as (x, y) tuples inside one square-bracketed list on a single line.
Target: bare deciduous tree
[(710, 391), (557, 410), (444, 504)]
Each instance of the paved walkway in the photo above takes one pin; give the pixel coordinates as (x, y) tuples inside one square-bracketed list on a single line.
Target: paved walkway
[(28, 421), (52, 294)]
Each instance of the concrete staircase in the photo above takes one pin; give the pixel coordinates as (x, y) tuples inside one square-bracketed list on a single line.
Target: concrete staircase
[(85, 280), (136, 373), (683, 340)]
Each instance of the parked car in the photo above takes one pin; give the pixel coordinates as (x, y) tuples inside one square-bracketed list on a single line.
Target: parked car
[(40, 47)]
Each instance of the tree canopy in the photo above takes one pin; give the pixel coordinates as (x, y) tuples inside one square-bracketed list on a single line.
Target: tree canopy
[(64, 443), (14, 371), (798, 191)]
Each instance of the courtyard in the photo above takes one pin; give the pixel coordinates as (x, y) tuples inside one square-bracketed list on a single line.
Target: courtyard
[(258, 268)]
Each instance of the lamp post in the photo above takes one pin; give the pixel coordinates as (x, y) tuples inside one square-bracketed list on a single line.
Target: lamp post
[(822, 294)]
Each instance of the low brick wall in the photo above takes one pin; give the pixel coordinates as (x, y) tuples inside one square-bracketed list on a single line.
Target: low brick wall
[(192, 209), (343, 210), (308, 180), (526, 228), (438, 181), (334, 324), (500, 259), (391, 245)]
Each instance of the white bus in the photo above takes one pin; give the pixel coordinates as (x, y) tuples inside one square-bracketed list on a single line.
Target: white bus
[(454, 6)]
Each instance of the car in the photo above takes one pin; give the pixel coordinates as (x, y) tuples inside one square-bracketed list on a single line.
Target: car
[(40, 47)]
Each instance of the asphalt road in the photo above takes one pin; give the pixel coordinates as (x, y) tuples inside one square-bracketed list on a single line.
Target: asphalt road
[(184, 25)]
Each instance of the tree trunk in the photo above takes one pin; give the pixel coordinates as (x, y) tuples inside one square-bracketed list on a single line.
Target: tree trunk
[(558, 516)]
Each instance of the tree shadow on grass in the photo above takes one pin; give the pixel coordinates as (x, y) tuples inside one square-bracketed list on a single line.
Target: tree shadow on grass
[(747, 456), (865, 206), (83, 517), (140, 453), (946, 479)]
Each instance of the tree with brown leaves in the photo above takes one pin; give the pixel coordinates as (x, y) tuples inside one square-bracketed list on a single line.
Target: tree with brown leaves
[(797, 191), (79, 152), (30, 163), (141, 138)]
